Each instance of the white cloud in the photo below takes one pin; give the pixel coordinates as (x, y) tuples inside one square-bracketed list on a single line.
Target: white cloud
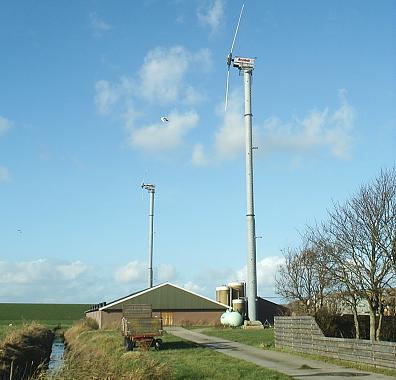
[(162, 75), (4, 174), (133, 272), (213, 15), (230, 136), (5, 125), (163, 136), (129, 116), (106, 96), (50, 281), (266, 270), (136, 272), (161, 81), (319, 129), (193, 287), (40, 271), (165, 273), (199, 157), (192, 96), (98, 25), (71, 271)]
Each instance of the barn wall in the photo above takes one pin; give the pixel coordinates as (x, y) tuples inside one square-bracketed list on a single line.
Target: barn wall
[(111, 318), (96, 315), (169, 317), (195, 317)]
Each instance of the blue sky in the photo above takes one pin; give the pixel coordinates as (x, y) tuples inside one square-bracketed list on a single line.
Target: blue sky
[(83, 86)]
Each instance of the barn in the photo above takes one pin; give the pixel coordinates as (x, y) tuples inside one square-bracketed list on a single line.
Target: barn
[(175, 305)]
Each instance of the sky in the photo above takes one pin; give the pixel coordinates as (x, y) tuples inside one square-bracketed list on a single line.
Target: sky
[(83, 87)]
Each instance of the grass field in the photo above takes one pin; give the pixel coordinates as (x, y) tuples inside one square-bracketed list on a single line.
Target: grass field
[(49, 315), (14, 312)]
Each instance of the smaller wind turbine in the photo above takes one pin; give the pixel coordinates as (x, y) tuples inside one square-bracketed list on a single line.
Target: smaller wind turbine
[(151, 189)]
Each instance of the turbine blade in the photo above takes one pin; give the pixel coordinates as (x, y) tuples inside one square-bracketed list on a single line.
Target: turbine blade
[(227, 85), (236, 30)]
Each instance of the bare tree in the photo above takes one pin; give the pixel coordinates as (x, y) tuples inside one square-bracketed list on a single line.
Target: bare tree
[(352, 254), (384, 195), (363, 237), (344, 291), (303, 278)]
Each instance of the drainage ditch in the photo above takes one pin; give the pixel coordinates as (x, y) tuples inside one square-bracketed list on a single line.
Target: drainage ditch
[(57, 356)]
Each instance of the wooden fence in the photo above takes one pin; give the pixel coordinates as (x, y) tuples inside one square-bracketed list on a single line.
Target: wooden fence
[(302, 334)]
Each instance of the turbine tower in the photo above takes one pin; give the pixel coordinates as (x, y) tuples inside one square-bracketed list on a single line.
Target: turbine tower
[(246, 66), (151, 189)]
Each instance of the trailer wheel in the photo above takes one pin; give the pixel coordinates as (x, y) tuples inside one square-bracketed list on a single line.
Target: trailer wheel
[(157, 344), (128, 344)]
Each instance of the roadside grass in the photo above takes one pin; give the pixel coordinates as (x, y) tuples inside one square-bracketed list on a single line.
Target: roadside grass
[(100, 354), (258, 338), (265, 339)]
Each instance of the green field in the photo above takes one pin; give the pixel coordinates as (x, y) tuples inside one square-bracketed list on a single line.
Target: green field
[(46, 314)]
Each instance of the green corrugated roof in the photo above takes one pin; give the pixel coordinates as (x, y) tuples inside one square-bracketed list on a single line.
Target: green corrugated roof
[(168, 297)]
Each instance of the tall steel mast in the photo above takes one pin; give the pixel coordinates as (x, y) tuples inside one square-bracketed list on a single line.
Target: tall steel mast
[(246, 65), (151, 189)]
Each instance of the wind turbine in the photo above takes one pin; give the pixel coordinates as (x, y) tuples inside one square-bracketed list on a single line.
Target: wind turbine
[(246, 66), (151, 189)]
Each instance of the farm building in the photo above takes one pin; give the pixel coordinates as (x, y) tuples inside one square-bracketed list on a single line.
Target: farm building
[(267, 310), (170, 302)]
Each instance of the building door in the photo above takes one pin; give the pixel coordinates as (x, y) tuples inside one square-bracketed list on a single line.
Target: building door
[(167, 319)]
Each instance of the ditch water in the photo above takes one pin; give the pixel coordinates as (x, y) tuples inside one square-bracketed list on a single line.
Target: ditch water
[(56, 358)]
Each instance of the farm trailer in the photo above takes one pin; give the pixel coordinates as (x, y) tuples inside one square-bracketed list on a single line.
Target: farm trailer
[(139, 328)]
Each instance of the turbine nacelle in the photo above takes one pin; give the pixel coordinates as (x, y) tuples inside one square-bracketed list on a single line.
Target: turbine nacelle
[(243, 63), (147, 186)]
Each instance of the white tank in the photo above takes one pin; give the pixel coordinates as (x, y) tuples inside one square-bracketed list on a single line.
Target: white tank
[(231, 318), (224, 318)]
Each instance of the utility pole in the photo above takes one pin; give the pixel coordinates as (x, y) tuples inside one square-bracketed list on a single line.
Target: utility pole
[(151, 189)]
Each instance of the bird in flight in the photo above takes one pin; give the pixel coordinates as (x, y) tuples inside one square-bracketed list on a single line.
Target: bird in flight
[(164, 119)]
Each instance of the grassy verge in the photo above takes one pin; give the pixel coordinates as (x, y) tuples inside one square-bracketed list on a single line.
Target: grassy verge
[(258, 338), (100, 354)]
